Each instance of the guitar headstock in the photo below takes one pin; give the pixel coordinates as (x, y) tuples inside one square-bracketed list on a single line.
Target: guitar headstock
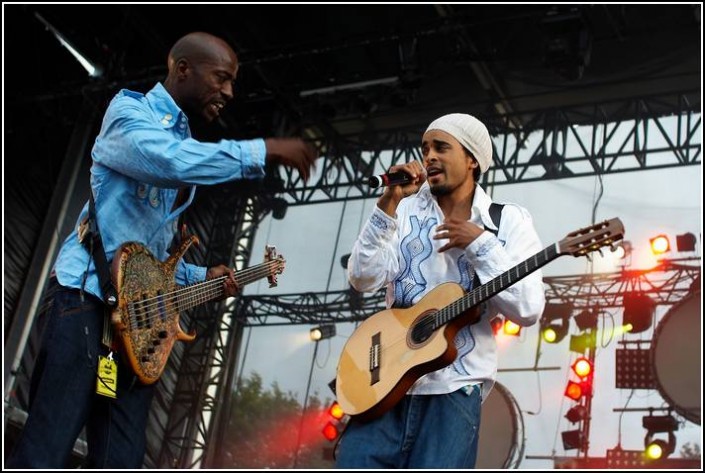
[(589, 239), (277, 263)]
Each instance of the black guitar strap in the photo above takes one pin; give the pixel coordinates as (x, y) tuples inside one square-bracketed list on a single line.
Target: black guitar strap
[(94, 244), (496, 216)]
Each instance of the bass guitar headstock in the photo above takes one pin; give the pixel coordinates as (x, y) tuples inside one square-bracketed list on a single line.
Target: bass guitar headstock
[(276, 266)]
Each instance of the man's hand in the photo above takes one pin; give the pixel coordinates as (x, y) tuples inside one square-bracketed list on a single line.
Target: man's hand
[(293, 153), (230, 285), (459, 233)]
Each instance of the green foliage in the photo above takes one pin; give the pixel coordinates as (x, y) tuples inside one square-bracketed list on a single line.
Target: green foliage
[(263, 430)]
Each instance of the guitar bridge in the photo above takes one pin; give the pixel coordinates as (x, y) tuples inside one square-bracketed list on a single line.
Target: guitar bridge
[(375, 358)]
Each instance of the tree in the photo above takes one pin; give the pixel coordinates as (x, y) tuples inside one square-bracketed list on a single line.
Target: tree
[(263, 428)]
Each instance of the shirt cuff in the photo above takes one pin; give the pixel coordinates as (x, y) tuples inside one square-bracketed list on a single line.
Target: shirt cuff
[(253, 154)]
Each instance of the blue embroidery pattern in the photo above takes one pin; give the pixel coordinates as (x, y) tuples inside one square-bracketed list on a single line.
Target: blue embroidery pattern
[(378, 222), (415, 248), (464, 341)]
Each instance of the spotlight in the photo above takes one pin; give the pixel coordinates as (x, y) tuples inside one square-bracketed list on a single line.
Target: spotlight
[(554, 331), (624, 250), (582, 367), (573, 439), (576, 413), (660, 244), (555, 321), (583, 342), (638, 311), (576, 390), (656, 449), (685, 242), (586, 320), (321, 333), (279, 206), (510, 328)]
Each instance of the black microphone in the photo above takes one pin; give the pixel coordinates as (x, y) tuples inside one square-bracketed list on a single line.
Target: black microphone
[(390, 179)]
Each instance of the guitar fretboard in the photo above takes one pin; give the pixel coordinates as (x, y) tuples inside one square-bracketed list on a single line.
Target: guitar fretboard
[(496, 285), (191, 296)]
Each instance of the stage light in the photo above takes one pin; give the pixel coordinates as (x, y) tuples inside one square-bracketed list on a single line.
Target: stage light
[(573, 439), (638, 311), (576, 414), (321, 333), (634, 369), (586, 320), (583, 342), (574, 390), (336, 422), (510, 328), (582, 367), (656, 449), (685, 242), (554, 331), (279, 206), (624, 250), (659, 244), (330, 431), (336, 411)]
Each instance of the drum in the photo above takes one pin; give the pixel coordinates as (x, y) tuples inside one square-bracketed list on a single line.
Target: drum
[(501, 443), (676, 357)]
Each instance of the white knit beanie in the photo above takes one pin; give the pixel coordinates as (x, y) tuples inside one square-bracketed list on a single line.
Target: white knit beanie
[(470, 132)]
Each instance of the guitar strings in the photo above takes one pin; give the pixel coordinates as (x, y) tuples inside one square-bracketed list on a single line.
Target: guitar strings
[(201, 292)]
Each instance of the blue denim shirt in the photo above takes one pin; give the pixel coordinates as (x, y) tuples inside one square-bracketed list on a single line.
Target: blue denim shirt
[(142, 156)]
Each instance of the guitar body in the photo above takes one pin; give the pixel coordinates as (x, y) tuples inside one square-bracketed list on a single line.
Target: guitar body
[(146, 318), (381, 360)]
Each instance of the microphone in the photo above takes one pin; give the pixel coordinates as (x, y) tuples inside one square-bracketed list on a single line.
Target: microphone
[(390, 179)]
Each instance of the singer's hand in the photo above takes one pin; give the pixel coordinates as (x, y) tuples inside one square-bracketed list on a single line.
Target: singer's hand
[(418, 177), (392, 195), (459, 233)]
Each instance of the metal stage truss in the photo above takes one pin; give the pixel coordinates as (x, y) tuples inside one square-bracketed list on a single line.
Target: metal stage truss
[(666, 284), (602, 138)]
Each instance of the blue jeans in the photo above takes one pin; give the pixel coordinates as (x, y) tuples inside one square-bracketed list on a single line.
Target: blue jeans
[(432, 431), (63, 395)]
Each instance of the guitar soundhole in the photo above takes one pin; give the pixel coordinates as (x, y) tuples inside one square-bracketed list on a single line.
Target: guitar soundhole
[(422, 331)]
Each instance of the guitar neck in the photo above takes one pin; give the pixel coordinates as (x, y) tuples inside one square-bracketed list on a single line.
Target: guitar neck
[(496, 285), (191, 296)]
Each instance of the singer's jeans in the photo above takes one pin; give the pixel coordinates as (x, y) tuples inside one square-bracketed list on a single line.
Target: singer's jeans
[(431, 431), (63, 395)]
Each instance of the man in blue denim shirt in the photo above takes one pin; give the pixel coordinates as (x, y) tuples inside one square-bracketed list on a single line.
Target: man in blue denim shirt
[(144, 175)]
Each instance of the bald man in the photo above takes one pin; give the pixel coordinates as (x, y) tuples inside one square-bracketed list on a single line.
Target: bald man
[(145, 170)]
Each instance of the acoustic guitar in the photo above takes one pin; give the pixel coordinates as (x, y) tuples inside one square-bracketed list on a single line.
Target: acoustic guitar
[(393, 348)]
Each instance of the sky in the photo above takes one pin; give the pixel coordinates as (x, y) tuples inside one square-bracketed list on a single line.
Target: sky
[(648, 203)]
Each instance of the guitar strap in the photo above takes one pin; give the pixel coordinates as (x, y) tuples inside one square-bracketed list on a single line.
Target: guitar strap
[(94, 245), (496, 216)]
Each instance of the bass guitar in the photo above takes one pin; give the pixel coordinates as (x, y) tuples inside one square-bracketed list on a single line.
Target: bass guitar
[(146, 316)]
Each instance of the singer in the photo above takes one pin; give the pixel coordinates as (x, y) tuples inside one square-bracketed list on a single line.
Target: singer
[(420, 236)]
